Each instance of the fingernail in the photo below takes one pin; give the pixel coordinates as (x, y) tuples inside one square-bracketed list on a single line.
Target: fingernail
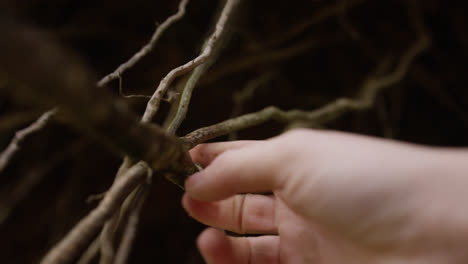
[(192, 181)]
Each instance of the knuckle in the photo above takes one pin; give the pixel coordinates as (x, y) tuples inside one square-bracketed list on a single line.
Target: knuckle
[(239, 203)]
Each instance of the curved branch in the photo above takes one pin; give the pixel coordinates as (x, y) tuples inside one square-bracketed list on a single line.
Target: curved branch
[(366, 97), (148, 47), (66, 82), (132, 224), (80, 236)]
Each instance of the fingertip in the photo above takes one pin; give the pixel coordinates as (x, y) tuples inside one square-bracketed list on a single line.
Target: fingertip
[(199, 154), (203, 186), (192, 181), (204, 154), (217, 247), (213, 245), (185, 202), (210, 238)]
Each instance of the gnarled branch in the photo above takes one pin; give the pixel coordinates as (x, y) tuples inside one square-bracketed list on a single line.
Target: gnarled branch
[(330, 111)]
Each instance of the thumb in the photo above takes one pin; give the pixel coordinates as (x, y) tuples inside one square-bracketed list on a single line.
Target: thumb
[(250, 169)]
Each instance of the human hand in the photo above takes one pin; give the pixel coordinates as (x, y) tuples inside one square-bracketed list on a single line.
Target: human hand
[(336, 198)]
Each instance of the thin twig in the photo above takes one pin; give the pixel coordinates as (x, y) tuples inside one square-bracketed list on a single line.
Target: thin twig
[(131, 95), (319, 16), (132, 222), (207, 50), (105, 240), (330, 111), (240, 97), (95, 197), (16, 119), (343, 19), (20, 135), (268, 57), (434, 88), (213, 43), (148, 47), (90, 252), (79, 237)]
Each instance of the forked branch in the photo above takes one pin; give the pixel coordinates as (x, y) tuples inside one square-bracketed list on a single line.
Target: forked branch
[(366, 97), (207, 51)]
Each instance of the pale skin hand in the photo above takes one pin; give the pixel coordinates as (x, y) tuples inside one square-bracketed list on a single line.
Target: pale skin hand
[(337, 198)]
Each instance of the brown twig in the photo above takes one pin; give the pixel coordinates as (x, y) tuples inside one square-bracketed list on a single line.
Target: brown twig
[(240, 97), (69, 247), (343, 19), (17, 119), (319, 16), (254, 59), (90, 253), (434, 88), (132, 223), (207, 51), (20, 135), (141, 96), (148, 47)]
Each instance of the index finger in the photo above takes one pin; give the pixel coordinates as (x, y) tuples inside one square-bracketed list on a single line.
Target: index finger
[(252, 169)]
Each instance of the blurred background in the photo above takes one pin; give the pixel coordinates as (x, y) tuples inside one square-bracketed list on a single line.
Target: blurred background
[(300, 54)]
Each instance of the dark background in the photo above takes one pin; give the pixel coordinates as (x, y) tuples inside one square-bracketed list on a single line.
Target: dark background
[(428, 107)]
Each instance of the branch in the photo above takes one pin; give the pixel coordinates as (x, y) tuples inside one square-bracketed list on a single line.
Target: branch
[(201, 64), (240, 97), (132, 224), (17, 119), (330, 111), (140, 96), (80, 236), (319, 16), (66, 82), (147, 48), (20, 135), (207, 51), (40, 123), (91, 252)]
